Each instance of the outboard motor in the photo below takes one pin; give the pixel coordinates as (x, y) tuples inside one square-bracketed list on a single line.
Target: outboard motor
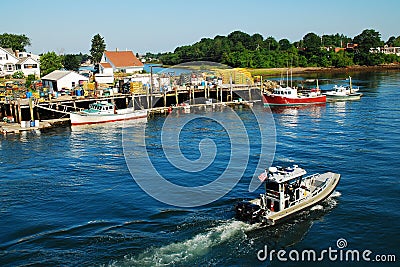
[(248, 212)]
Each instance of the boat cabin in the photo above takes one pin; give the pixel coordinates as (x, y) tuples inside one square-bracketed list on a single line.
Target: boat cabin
[(102, 107), (284, 187), (285, 92)]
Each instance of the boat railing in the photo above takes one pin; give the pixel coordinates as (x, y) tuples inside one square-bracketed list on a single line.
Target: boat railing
[(320, 188), (308, 195)]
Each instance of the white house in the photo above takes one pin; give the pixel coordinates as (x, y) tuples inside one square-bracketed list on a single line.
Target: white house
[(11, 62), (28, 66), (122, 61), (106, 73), (63, 79), (7, 61)]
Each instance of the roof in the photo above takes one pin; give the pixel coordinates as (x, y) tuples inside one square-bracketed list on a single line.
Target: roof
[(105, 65), (9, 51), (58, 74), (23, 59), (281, 175), (123, 59)]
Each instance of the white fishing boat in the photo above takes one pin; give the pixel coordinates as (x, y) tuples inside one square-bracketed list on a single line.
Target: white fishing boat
[(340, 93), (103, 111), (287, 192)]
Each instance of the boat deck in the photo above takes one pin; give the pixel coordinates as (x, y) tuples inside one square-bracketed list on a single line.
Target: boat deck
[(308, 203)]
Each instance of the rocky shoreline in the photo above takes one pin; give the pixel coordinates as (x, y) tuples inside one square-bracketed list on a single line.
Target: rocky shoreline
[(299, 70)]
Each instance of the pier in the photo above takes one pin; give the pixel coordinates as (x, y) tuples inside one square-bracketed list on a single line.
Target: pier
[(22, 115)]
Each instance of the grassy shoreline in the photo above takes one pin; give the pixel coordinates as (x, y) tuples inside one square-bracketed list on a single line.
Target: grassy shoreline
[(268, 72)]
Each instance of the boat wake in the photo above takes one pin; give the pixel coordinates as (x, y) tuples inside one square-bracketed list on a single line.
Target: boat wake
[(226, 233), (189, 250)]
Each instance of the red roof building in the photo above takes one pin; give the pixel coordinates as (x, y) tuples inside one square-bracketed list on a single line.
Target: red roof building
[(122, 61)]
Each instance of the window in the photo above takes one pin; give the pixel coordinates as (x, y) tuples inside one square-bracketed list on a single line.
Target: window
[(9, 67), (30, 66)]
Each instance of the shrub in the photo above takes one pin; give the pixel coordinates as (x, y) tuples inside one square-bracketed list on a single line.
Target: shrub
[(18, 75)]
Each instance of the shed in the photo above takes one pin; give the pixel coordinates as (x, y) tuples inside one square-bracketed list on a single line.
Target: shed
[(63, 79)]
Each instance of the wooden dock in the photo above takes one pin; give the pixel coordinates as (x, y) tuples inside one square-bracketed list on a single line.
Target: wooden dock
[(16, 128)]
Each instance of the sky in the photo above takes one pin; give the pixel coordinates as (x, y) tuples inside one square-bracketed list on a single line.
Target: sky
[(67, 26)]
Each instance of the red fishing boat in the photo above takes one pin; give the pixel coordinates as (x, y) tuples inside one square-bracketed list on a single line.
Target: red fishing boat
[(290, 97)]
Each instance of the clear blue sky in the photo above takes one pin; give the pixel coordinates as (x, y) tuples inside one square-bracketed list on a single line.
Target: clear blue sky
[(162, 25)]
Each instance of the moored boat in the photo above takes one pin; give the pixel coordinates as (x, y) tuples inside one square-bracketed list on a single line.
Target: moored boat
[(103, 111), (340, 93), (289, 97), (287, 192)]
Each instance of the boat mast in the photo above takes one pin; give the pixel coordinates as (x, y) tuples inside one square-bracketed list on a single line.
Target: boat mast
[(291, 77), (287, 77), (351, 85)]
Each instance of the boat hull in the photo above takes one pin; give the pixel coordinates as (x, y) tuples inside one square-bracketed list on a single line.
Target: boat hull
[(246, 211), (84, 118), (274, 100), (351, 97)]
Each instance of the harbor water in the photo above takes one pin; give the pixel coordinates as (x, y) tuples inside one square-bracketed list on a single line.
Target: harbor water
[(68, 197)]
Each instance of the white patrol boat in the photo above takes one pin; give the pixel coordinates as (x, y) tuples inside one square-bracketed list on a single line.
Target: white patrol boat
[(287, 192)]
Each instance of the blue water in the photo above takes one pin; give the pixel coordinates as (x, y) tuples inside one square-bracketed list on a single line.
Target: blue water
[(68, 197)]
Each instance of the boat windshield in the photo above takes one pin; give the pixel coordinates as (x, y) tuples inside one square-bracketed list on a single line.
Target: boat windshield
[(272, 186)]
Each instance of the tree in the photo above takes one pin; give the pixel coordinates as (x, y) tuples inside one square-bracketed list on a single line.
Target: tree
[(256, 41), (390, 41), (396, 42), (342, 59), (271, 44), (50, 62), (98, 48), (284, 44), (312, 42), (14, 41), (238, 37), (366, 40), (71, 62)]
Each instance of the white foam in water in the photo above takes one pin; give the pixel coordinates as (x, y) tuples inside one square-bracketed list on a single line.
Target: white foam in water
[(336, 194), (317, 207), (192, 248)]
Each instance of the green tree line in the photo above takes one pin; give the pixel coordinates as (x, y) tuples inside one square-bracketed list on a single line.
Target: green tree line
[(240, 49)]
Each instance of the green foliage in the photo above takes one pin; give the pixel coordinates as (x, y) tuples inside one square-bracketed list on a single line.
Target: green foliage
[(368, 39), (98, 48), (72, 62), (18, 75), (396, 41), (285, 44), (14, 41), (342, 59), (29, 80), (312, 42), (239, 49), (50, 62)]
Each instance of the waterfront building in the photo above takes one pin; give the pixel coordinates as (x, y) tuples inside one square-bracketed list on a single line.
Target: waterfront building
[(122, 61), (63, 79), (13, 61)]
